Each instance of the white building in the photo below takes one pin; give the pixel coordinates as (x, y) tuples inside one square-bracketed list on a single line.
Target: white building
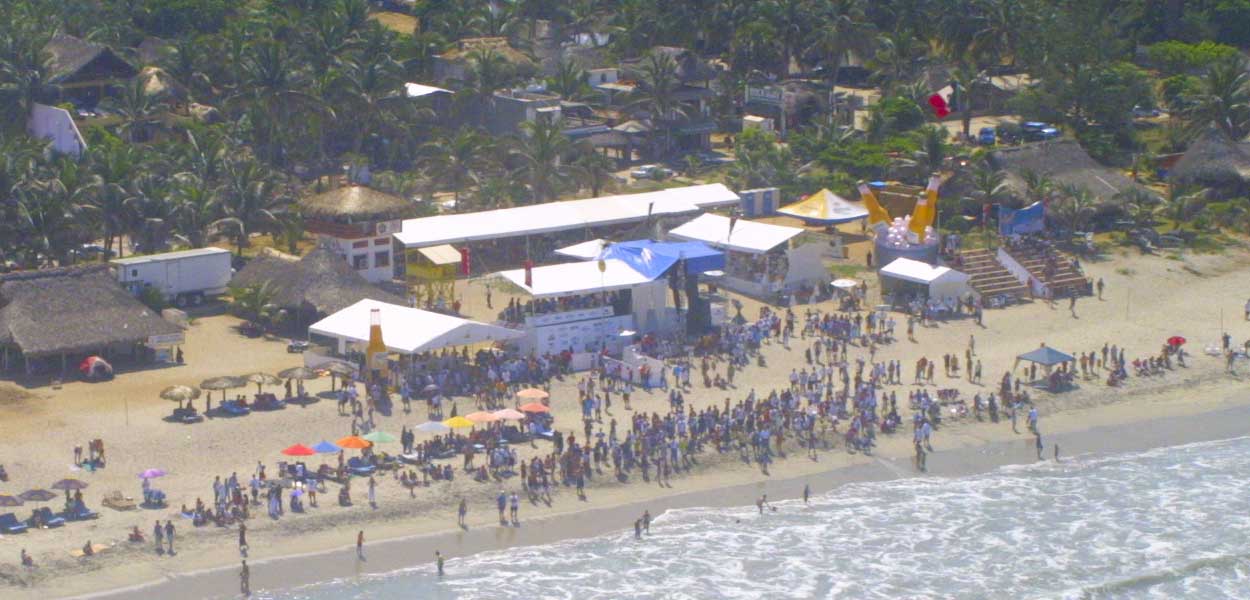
[(357, 223)]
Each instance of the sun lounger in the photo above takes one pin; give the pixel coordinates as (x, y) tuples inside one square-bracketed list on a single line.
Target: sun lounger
[(360, 468), (10, 524), (116, 501), (234, 409), (44, 515)]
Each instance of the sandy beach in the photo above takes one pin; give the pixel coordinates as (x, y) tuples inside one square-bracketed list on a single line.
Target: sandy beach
[(1147, 299)]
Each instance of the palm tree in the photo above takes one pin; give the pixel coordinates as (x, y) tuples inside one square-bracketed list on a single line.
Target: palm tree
[(368, 93), (595, 169), (456, 161), (1074, 208), (24, 75), (1181, 204), (254, 303), (110, 196), (274, 89), (250, 201), (966, 79), (1139, 205), (1225, 98), (933, 149), (898, 54), (990, 185), (496, 20), (135, 108), (1037, 187), (197, 210), (843, 28), (656, 94), (791, 22), (488, 72), (541, 149), (569, 81), (288, 228)]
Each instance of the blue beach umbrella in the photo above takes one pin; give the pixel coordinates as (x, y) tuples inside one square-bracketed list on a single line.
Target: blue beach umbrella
[(324, 447)]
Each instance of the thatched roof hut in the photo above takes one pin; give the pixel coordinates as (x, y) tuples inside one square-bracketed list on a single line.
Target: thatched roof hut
[(320, 283), (356, 204), (74, 60), (1214, 160), (1064, 162), (72, 310)]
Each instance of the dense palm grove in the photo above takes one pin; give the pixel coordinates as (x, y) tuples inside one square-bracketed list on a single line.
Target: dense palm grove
[(306, 86)]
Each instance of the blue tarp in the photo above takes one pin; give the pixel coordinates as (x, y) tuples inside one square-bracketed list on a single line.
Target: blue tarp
[(1029, 219), (652, 259), (1046, 356)]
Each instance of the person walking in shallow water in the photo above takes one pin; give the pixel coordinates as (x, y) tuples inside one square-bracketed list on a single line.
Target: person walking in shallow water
[(360, 545), (245, 580)]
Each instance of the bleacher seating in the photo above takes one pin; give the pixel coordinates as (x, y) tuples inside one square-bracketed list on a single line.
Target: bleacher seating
[(1062, 276), (988, 277)]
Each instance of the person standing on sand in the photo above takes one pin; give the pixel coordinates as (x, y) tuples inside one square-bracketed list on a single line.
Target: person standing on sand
[(515, 507), (373, 493), (462, 512), (245, 580), (1099, 285), (243, 539), (501, 502), (1038, 437), (360, 544), (169, 535), (159, 534), (438, 561)]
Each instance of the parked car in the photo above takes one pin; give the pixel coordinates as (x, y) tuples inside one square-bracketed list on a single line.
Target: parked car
[(713, 158), (1036, 131), (987, 137), (656, 172), (1141, 112)]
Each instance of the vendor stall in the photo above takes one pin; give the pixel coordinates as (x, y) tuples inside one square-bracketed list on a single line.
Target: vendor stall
[(761, 259), (905, 280)]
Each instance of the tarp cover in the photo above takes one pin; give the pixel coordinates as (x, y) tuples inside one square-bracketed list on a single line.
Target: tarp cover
[(826, 208), (1046, 356), (571, 279), (652, 259), (409, 330), (1030, 219), (919, 272)]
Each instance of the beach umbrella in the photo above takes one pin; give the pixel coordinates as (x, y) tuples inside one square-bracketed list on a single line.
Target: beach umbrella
[(69, 484), (458, 423), (324, 447), (482, 417), (380, 437), (535, 407), (354, 442), (532, 394), (1176, 340), (432, 427), (262, 379), (10, 501), (433, 387), (223, 383), (299, 450), (37, 495), (180, 393), (301, 373), (341, 369), (627, 333), (509, 414), (845, 284), (151, 474)]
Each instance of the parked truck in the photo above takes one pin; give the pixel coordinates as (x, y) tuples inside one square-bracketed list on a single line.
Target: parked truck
[(184, 278)]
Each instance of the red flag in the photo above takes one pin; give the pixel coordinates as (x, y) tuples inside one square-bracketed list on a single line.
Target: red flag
[(465, 264), (529, 273), (938, 103)]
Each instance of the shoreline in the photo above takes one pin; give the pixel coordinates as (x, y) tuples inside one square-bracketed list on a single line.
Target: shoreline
[(976, 455)]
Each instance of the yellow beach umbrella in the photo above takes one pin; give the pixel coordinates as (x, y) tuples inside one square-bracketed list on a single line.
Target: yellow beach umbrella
[(458, 423)]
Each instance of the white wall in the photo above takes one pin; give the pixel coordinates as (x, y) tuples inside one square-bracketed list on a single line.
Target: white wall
[(1021, 273), (373, 271), (57, 125)]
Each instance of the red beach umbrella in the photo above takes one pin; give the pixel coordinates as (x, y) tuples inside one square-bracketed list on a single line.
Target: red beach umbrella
[(299, 450), (1176, 340)]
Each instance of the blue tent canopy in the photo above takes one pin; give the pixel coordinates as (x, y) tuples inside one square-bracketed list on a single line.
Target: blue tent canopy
[(653, 259), (1046, 356)]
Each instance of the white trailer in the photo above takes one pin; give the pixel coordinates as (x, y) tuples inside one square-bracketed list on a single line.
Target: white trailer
[(184, 278)]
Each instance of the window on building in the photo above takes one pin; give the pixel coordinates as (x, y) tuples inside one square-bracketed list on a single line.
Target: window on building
[(381, 241), (361, 244), (382, 259), (360, 262)]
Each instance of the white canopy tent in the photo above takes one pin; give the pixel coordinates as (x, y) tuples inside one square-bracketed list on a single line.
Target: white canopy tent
[(585, 251), (561, 216), (577, 278), (943, 283), (408, 330), (747, 236), (417, 90)]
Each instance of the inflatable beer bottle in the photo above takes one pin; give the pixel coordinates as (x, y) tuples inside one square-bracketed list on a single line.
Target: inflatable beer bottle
[(375, 353)]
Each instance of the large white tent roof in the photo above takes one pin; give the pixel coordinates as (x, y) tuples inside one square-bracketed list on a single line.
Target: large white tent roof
[(919, 272), (577, 278), (561, 216), (747, 236), (409, 330)]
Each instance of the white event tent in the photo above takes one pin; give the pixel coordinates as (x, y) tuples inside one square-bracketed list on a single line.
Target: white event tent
[(747, 236), (408, 330), (942, 283), (561, 216), (589, 250), (576, 278)]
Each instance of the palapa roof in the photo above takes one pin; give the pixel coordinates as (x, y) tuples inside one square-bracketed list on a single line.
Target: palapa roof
[(1213, 160), (1065, 162), (71, 310), (321, 279), (465, 48), (691, 68), (357, 202), (70, 55)]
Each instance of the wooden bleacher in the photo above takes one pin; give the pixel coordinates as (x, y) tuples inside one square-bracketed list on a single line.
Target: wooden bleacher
[(988, 277), (1064, 279)]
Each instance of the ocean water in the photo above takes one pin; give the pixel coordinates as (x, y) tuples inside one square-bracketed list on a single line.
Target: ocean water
[(1168, 523)]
